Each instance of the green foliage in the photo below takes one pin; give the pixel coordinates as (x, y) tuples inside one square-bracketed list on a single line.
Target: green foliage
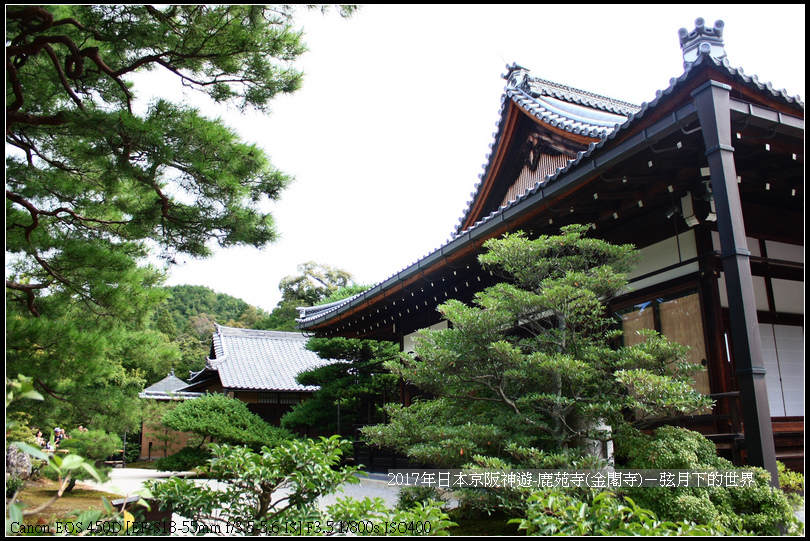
[(102, 475), (789, 480), (65, 469), (759, 509), (97, 183), (93, 444), (186, 459), (282, 318), (599, 513), (225, 420), (306, 469), (132, 447), (188, 317), (88, 369), (186, 301), (163, 438), (345, 292), (17, 428), (415, 520), (532, 363), (409, 496), (181, 180), (433, 432), (357, 380), (510, 500), (13, 485), (314, 283)]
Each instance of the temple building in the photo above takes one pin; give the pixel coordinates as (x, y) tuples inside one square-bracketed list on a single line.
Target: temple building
[(706, 179), (258, 368)]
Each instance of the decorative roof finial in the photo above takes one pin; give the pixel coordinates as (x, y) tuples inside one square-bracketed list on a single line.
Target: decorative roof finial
[(702, 41)]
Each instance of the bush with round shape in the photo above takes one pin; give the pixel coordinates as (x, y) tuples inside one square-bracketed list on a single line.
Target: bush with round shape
[(758, 509), (598, 513), (224, 420), (95, 445)]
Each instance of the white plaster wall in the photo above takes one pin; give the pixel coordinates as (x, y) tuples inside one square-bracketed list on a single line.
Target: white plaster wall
[(664, 254), (408, 340)]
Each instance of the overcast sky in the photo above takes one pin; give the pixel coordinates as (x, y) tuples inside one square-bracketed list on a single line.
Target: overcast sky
[(390, 131)]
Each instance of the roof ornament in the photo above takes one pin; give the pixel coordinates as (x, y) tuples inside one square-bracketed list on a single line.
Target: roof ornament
[(702, 41), (517, 77)]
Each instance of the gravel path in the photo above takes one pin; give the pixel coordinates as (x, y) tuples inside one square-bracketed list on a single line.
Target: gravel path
[(125, 481)]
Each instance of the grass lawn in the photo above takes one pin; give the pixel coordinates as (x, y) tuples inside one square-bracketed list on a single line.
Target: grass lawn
[(80, 498)]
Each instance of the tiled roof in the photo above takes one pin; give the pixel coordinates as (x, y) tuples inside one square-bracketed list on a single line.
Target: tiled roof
[(169, 383), (261, 360), (563, 107), (594, 100), (167, 389), (569, 95)]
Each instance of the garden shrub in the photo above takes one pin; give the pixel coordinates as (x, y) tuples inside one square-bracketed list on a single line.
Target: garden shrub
[(96, 445), (246, 501), (132, 447), (409, 496), (13, 484), (789, 480), (599, 513), (186, 459), (511, 500), (18, 429), (225, 420), (758, 509)]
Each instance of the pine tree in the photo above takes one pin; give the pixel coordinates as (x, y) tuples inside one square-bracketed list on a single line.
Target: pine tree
[(531, 365), (95, 183)]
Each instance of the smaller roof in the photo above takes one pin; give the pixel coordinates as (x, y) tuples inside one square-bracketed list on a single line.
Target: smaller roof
[(169, 383), (167, 389), (259, 360)]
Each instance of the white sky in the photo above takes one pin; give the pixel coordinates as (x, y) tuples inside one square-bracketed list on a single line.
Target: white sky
[(389, 133)]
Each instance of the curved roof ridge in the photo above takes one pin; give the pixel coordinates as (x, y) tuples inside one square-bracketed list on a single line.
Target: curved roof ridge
[(518, 90), (544, 87)]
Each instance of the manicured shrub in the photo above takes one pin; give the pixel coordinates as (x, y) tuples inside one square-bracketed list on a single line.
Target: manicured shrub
[(94, 444), (18, 429), (224, 420), (789, 480), (185, 459), (13, 484), (598, 513), (758, 509)]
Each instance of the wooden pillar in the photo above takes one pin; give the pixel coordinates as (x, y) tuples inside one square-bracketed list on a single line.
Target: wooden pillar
[(713, 108)]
